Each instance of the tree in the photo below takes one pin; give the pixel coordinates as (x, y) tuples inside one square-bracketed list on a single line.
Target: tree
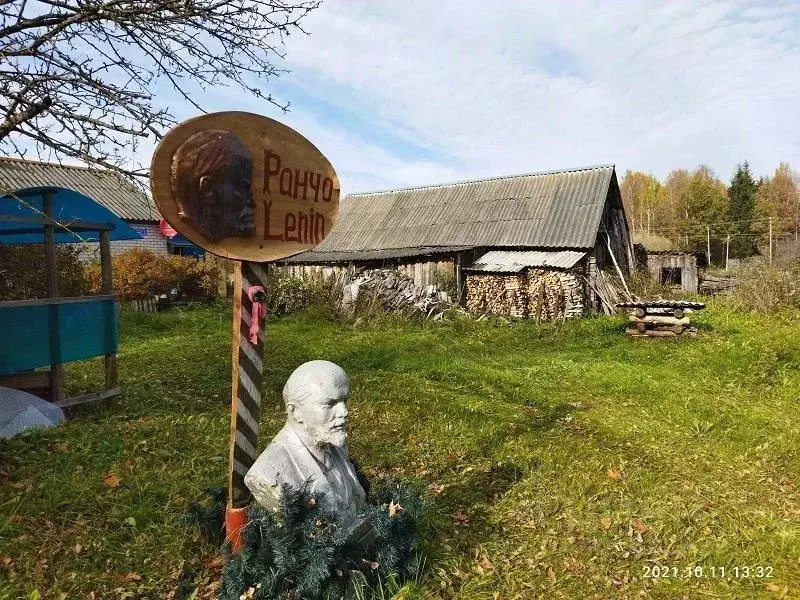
[(704, 202), (741, 212), (78, 77), (641, 196), (674, 206), (779, 197)]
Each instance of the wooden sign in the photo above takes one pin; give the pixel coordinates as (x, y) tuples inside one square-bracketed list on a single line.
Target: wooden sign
[(244, 186)]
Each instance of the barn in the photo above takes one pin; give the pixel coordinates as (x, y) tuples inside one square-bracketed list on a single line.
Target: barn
[(523, 245)]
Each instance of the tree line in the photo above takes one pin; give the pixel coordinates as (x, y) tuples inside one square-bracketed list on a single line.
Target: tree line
[(696, 210)]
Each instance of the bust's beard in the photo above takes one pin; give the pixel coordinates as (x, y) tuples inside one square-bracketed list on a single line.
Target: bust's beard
[(334, 437)]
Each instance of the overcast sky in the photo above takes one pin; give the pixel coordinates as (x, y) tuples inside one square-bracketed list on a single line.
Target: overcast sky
[(401, 93)]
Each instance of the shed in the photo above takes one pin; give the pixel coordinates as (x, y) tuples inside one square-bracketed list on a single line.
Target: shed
[(488, 236), (668, 265)]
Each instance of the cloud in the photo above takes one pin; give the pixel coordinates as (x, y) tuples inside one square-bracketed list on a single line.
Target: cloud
[(407, 93), (403, 93)]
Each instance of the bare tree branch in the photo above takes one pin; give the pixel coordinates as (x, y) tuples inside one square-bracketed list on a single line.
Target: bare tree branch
[(78, 78)]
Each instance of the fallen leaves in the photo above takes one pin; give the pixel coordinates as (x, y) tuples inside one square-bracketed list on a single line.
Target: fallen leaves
[(551, 574), (128, 577), (436, 488), (460, 518), (606, 522), (638, 525), (394, 509), (111, 480), (614, 474)]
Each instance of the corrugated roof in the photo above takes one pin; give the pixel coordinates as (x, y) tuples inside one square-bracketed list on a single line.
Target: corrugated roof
[(514, 261), (334, 257), (560, 209), (106, 187)]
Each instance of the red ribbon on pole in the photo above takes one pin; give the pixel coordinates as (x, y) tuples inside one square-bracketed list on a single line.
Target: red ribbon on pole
[(258, 313)]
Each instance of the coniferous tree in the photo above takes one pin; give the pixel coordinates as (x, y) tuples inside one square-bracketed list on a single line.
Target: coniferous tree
[(741, 211)]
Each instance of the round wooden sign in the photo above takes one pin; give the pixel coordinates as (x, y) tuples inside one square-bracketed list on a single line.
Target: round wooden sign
[(244, 187)]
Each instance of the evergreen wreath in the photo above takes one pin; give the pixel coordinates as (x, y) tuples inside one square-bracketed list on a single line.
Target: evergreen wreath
[(302, 552)]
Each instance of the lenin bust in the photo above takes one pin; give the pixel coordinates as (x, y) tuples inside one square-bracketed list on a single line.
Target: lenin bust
[(311, 449), (211, 179)]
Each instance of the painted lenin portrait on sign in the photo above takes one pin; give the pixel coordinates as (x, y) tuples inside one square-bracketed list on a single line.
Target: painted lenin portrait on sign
[(211, 178)]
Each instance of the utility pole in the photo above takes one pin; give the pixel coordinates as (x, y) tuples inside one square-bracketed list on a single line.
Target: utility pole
[(770, 240), (727, 250), (708, 244)]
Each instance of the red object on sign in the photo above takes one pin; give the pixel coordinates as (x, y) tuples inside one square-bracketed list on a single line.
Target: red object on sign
[(167, 229)]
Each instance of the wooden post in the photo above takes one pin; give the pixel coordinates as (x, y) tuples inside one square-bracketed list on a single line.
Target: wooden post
[(708, 244), (56, 369), (727, 250), (246, 369), (106, 273), (770, 240)]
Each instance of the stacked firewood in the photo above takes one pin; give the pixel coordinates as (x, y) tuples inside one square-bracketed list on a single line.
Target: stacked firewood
[(492, 294), (538, 294), (660, 322)]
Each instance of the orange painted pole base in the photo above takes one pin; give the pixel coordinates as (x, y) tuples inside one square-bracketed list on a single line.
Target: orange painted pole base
[(235, 519)]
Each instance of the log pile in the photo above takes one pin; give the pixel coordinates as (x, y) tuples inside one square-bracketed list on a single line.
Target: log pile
[(716, 284), (391, 291), (539, 294), (660, 322)]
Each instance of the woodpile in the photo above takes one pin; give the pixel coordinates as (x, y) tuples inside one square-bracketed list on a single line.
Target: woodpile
[(539, 294), (607, 289), (390, 291), (716, 284), (660, 322)]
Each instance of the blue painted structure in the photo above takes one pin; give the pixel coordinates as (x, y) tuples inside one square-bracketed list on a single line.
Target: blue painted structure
[(85, 327), (48, 332), (68, 206)]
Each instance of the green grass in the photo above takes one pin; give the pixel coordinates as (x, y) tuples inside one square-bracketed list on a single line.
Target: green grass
[(519, 428)]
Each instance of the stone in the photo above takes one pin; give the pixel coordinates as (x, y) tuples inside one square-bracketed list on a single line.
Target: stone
[(311, 449)]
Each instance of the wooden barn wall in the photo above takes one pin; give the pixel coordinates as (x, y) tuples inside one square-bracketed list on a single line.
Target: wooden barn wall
[(439, 272), (614, 225)]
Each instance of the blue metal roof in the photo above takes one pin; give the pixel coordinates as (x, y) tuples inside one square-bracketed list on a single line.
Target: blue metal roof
[(68, 206)]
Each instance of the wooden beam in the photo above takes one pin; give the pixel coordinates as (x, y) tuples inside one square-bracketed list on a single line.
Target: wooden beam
[(86, 398), (109, 360), (48, 301), (28, 380), (75, 224), (51, 280)]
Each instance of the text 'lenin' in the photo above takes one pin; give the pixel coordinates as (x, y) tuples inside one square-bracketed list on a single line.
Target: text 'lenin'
[(298, 226)]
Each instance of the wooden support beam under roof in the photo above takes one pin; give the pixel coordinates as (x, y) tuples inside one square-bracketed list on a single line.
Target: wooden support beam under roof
[(73, 225)]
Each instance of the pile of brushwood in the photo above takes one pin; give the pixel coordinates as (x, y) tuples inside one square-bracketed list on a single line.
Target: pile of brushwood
[(303, 551)]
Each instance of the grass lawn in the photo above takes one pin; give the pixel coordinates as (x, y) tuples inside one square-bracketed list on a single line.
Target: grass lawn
[(562, 461)]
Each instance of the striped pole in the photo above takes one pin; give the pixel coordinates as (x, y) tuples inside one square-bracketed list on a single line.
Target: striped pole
[(246, 369)]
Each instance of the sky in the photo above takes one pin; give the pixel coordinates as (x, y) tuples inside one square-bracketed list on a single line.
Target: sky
[(405, 93)]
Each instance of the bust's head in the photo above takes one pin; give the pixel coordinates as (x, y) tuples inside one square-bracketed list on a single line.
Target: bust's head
[(211, 181), (316, 401)]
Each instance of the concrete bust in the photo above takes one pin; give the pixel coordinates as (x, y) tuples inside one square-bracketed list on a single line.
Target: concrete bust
[(312, 446)]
